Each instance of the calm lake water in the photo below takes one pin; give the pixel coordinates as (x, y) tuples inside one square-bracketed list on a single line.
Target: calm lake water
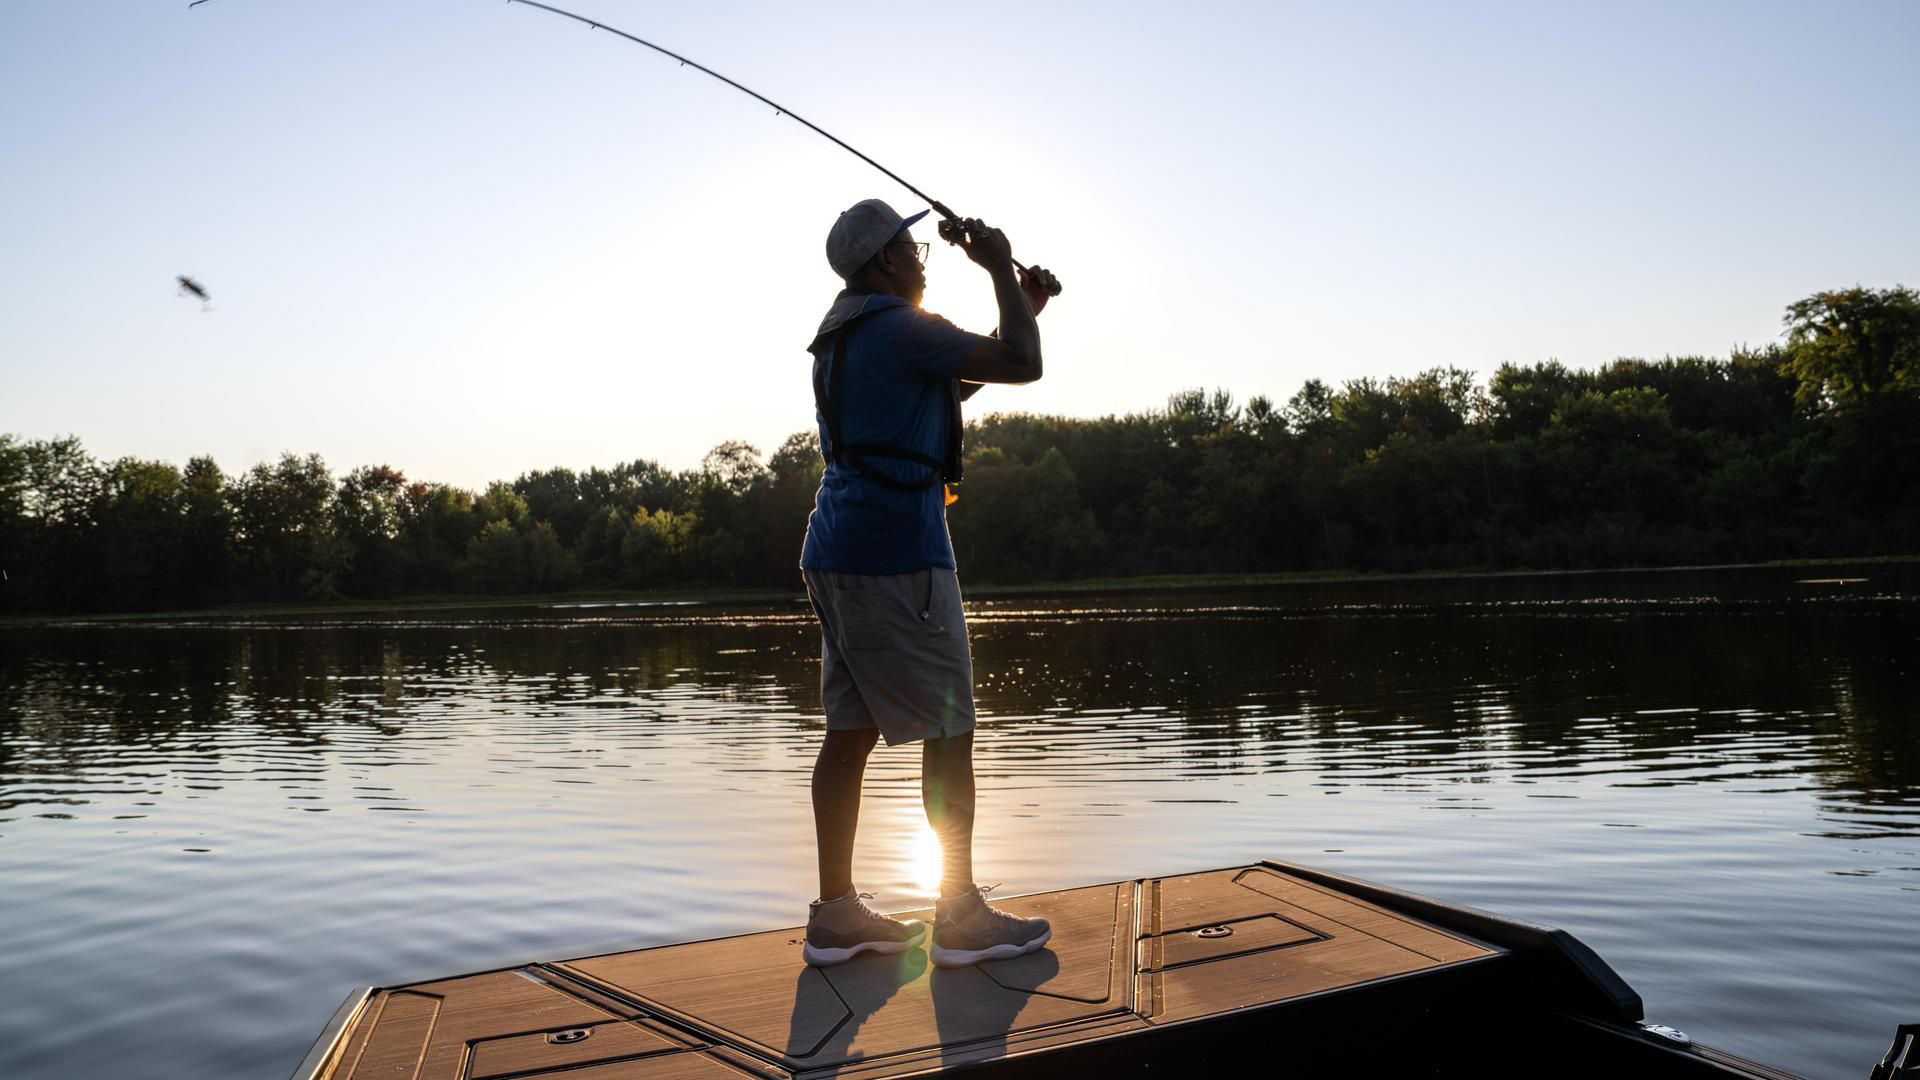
[(211, 832)]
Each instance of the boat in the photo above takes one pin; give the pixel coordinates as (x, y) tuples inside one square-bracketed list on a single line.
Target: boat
[(1273, 966)]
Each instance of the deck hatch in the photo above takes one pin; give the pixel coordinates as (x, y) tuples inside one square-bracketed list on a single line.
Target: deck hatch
[(1289, 939), (559, 1049), (1235, 937)]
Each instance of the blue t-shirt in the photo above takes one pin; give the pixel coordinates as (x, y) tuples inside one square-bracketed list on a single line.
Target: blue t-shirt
[(900, 361)]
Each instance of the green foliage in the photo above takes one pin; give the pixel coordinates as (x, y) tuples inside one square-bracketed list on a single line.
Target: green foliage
[(1849, 346), (437, 523), (654, 547), (1055, 536), (206, 557), (283, 528), (1806, 449), (367, 520), (550, 566), (555, 496), (734, 466), (500, 502), (497, 559)]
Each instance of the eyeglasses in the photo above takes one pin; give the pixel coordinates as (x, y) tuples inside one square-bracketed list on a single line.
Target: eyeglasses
[(921, 249)]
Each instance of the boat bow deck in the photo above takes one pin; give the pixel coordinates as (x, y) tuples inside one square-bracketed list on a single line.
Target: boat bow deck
[(1126, 958)]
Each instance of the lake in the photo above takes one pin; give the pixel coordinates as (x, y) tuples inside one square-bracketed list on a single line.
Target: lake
[(212, 830)]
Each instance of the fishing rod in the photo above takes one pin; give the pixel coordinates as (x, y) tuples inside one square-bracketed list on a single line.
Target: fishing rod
[(951, 226)]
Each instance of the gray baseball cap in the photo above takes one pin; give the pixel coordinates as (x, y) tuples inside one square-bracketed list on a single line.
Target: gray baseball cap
[(862, 229)]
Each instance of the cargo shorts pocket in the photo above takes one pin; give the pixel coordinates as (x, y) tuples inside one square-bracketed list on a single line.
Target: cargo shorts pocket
[(865, 623)]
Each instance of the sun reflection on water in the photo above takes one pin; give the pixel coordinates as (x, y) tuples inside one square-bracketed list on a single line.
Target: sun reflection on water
[(923, 859)]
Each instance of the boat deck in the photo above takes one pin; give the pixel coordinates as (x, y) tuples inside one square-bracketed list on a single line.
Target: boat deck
[(1125, 958)]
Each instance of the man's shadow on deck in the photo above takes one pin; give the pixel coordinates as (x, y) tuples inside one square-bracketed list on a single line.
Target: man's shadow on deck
[(974, 1012), (962, 1011), (843, 998)]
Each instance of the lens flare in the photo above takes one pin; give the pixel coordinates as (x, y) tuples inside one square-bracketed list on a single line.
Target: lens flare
[(923, 859)]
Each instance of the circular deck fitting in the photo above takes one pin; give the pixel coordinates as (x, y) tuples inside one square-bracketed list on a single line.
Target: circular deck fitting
[(571, 1035), (1667, 1034), (1214, 932)]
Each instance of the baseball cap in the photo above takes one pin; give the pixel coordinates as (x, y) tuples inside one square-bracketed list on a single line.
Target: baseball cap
[(862, 229)]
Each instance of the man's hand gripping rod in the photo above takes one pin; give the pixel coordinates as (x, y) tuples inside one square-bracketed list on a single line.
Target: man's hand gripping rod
[(952, 228)]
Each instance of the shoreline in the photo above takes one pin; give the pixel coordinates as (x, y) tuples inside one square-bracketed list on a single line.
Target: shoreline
[(1154, 583)]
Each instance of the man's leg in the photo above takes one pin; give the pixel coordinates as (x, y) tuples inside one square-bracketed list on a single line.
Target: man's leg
[(946, 789), (837, 774), (965, 930)]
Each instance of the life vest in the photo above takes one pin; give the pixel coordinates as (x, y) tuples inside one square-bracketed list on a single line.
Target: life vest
[(828, 398)]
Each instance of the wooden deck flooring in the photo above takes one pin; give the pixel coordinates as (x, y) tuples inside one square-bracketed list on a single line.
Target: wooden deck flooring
[(1125, 957)]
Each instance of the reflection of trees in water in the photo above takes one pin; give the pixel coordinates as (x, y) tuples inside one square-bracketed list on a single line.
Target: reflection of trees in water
[(298, 699), (1751, 692), (1668, 695), (139, 686)]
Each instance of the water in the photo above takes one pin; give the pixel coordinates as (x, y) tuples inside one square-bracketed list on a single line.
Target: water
[(210, 832)]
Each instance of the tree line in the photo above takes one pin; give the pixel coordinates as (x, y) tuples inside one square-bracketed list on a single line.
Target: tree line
[(1809, 447)]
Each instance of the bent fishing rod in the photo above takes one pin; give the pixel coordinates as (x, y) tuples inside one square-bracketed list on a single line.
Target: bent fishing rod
[(951, 227)]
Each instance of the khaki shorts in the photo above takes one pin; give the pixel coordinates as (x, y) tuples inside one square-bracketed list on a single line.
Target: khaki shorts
[(893, 653)]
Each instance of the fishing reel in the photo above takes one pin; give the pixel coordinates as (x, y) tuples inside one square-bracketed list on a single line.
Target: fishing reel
[(954, 231)]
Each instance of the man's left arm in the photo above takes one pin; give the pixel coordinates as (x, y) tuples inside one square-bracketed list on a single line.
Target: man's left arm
[(1038, 284)]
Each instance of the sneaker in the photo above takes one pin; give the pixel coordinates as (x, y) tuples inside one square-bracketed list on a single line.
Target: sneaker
[(967, 931), (839, 930)]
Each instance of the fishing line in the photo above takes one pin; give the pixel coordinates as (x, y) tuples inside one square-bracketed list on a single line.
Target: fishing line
[(950, 227)]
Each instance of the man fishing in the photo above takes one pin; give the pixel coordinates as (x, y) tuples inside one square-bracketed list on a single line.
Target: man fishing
[(888, 381)]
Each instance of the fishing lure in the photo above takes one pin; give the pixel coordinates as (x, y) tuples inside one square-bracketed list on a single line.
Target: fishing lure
[(188, 285)]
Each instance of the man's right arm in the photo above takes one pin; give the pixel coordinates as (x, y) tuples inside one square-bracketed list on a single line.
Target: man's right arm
[(1013, 357)]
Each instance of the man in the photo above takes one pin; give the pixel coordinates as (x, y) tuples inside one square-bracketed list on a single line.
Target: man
[(888, 379)]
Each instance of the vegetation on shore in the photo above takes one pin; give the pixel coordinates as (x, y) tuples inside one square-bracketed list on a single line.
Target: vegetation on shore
[(1142, 585), (1805, 449)]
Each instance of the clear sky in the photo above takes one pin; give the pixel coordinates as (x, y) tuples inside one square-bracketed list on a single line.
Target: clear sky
[(471, 238)]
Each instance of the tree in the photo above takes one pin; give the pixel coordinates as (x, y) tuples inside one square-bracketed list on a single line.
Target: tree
[(1192, 414), (1435, 403), (14, 480), (1523, 398), (206, 557), (556, 497), (1019, 522), (735, 466), (367, 518), (63, 481), (550, 566), (1310, 411), (654, 550), (138, 525), (1810, 447), (1850, 345), (62, 489), (283, 529), (501, 503), (598, 552), (497, 559), (798, 459), (437, 523), (16, 555), (1365, 412)]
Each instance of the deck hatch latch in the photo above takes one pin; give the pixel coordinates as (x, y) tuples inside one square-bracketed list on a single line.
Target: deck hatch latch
[(1214, 932), (571, 1035)]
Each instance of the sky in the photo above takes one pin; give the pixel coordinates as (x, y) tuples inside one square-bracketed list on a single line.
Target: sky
[(470, 239)]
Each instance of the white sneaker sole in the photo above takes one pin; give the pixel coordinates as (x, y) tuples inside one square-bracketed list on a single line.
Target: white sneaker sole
[(829, 957), (952, 958)]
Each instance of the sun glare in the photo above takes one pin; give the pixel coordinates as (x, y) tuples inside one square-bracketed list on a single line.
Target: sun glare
[(923, 859)]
